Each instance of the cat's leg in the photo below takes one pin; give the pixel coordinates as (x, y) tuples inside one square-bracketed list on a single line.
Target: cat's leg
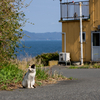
[(32, 83), (24, 83), (28, 83)]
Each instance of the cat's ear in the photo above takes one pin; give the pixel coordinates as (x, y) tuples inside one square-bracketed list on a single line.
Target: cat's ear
[(29, 66)]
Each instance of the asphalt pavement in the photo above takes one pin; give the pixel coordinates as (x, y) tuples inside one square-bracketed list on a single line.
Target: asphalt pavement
[(85, 86)]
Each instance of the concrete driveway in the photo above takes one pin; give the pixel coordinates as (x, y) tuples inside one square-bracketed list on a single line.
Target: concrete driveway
[(86, 86)]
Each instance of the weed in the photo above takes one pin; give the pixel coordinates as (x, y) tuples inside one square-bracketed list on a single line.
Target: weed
[(4, 87), (38, 83), (83, 67), (41, 73), (43, 76), (96, 65), (63, 77), (73, 67), (10, 74), (71, 78)]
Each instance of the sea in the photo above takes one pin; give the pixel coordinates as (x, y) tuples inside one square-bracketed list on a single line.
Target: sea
[(34, 48)]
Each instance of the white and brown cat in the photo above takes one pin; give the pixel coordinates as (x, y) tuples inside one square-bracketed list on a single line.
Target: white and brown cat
[(29, 78)]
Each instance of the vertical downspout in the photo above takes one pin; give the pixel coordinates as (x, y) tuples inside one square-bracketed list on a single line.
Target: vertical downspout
[(64, 41), (81, 39), (64, 44)]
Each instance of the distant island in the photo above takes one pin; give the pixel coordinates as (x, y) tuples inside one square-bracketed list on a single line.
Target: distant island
[(31, 36)]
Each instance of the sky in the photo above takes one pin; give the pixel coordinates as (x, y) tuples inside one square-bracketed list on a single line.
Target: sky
[(45, 14)]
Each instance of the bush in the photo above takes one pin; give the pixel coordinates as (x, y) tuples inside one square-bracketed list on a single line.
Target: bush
[(45, 76), (41, 73), (12, 20), (96, 65), (46, 57), (10, 74)]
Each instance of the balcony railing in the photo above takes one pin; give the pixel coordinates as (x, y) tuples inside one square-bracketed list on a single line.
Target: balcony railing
[(71, 10)]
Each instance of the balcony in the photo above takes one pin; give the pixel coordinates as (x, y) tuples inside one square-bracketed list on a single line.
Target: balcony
[(71, 10)]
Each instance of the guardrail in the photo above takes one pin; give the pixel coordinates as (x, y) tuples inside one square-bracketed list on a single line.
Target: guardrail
[(71, 10)]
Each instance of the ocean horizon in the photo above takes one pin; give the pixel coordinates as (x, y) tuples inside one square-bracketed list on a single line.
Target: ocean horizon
[(37, 47)]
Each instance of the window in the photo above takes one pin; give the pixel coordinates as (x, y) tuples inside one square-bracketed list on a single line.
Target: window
[(84, 36), (96, 39)]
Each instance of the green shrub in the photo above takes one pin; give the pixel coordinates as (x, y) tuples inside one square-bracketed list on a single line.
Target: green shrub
[(10, 74), (96, 65), (73, 67), (84, 67), (44, 75), (46, 57), (41, 73), (38, 83)]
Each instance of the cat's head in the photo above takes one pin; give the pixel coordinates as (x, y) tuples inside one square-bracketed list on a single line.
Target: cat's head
[(31, 68)]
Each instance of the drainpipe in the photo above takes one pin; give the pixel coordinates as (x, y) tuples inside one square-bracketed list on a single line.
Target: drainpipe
[(81, 39), (64, 43)]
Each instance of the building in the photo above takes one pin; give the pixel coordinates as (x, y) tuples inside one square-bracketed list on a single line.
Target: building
[(70, 19)]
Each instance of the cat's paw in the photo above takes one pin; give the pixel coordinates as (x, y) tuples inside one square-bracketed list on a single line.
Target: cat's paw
[(32, 87), (28, 87)]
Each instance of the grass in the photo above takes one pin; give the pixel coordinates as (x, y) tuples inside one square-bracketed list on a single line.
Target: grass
[(76, 67), (10, 75), (71, 78), (96, 65), (41, 74), (44, 76), (73, 67), (86, 66)]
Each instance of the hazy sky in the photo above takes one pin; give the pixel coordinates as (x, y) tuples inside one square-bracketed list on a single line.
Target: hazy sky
[(45, 14)]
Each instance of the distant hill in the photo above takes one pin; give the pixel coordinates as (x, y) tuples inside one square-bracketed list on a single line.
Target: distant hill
[(42, 36)]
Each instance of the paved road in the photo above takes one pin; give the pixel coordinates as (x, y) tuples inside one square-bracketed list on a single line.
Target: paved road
[(85, 87)]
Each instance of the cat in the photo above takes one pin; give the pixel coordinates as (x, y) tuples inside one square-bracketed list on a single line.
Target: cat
[(29, 77)]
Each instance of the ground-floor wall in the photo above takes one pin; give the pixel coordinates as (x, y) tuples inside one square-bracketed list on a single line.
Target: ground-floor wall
[(73, 46)]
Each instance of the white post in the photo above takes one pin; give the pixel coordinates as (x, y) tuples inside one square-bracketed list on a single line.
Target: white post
[(81, 39)]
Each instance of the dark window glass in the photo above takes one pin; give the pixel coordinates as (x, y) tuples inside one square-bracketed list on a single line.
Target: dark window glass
[(96, 39), (84, 37)]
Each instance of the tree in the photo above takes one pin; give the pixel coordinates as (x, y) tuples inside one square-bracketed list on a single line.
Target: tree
[(11, 17)]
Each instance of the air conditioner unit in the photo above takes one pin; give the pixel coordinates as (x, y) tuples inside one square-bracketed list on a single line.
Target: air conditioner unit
[(64, 57)]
